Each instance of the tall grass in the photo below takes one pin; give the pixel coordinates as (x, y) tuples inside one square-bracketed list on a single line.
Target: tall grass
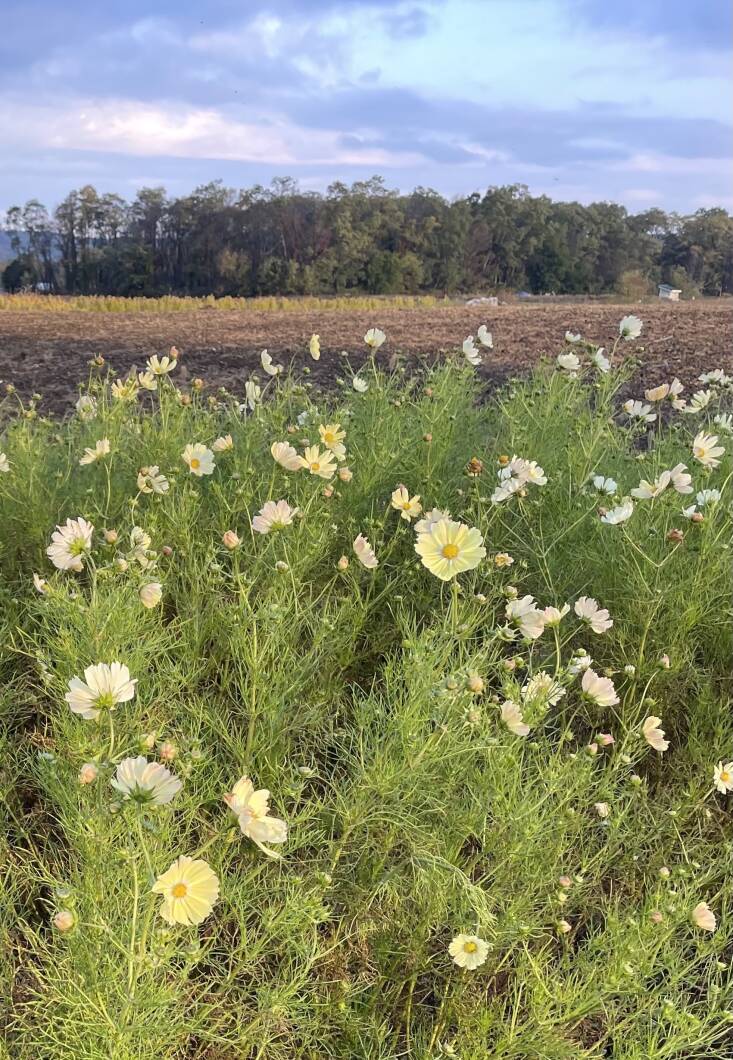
[(176, 304), (414, 814)]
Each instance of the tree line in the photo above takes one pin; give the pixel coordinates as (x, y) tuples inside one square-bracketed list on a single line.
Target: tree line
[(364, 237)]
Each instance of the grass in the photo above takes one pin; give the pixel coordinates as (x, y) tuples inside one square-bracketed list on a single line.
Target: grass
[(176, 304), (414, 814)]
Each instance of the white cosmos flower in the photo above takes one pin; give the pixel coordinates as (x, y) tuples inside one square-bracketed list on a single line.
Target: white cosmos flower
[(588, 610), (286, 456), (484, 337), (599, 689), (408, 507), (374, 338), (100, 450), (630, 327), (273, 515), (717, 378), (314, 347), (199, 458), (681, 478), (252, 395), (689, 512), (605, 485), (364, 552), (252, 810), (360, 385), (151, 594), (161, 365), (654, 734), (657, 393), (543, 687), (525, 614), (223, 444), (636, 410), (675, 388), (267, 364), (650, 490), (703, 917), (470, 351), (435, 515), (619, 514), (573, 337), (569, 362), (140, 542), (699, 401), (103, 687), (468, 951), (554, 615), (723, 777), (147, 381), (706, 451), (86, 407), (150, 480), (511, 715), (724, 422), (705, 497), (601, 362), (40, 584), (145, 782), (69, 543), (579, 663), (4, 464)]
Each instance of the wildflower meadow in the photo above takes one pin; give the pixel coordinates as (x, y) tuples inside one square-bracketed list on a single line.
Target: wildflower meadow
[(384, 718)]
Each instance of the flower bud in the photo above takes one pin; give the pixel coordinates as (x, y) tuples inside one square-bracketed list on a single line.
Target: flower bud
[(675, 536), (230, 540), (88, 773), (475, 683), (110, 536), (64, 920), (151, 594), (346, 474), (343, 563), (167, 751)]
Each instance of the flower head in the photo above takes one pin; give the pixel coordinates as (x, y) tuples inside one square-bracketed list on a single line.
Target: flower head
[(286, 456), (569, 362), (333, 437), (318, 463), (314, 347), (637, 410), (723, 777), (706, 451), (408, 507), (524, 613), (267, 364), (86, 407), (151, 594), (360, 385), (654, 734), (69, 543), (630, 327), (199, 458), (223, 444), (620, 514), (449, 547), (150, 480), (145, 782), (252, 810), (374, 338), (273, 515), (364, 552), (605, 485), (468, 951), (161, 365), (470, 351), (511, 715), (484, 337), (588, 610), (599, 689), (703, 917), (100, 450), (189, 888), (104, 686)]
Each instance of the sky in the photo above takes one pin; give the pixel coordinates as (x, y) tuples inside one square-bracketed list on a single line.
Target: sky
[(587, 100)]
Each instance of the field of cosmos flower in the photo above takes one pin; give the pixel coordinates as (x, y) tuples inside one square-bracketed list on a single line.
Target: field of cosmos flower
[(384, 719)]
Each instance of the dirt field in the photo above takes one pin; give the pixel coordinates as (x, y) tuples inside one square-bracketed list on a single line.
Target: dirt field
[(48, 352)]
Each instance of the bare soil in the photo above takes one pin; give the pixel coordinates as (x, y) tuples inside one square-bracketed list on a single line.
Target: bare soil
[(49, 352)]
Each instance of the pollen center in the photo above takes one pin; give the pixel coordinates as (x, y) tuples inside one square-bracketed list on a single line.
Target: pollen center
[(195, 463), (178, 890), (315, 467), (450, 551), (725, 776), (470, 947)]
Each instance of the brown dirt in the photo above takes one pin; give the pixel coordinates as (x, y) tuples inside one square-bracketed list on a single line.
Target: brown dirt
[(48, 352)]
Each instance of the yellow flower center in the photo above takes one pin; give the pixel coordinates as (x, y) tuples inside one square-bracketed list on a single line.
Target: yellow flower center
[(329, 437), (406, 506), (450, 551), (725, 776), (469, 947), (195, 463), (179, 890), (315, 467)]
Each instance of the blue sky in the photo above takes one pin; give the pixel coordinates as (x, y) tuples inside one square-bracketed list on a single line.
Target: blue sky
[(628, 100)]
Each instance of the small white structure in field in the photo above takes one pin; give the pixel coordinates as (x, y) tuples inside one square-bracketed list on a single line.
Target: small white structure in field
[(666, 290), (484, 300)]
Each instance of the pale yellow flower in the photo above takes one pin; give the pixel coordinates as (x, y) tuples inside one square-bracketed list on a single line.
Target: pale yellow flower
[(364, 552), (317, 462), (332, 437), (4, 464), (103, 687), (252, 810), (100, 450), (150, 480), (161, 365), (268, 365), (705, 450), (408, 507), (199, 458), (449, 548), (468, 951), (654, 734), (147, 381), (314, 347), (511, 715), (69, 544), (286, 456), (374, 338), (189, 889), (223, 444), (151, 594), (723, 777), (703, 917)]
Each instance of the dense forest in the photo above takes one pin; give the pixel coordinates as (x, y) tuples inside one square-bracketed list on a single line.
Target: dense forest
[(281, 240)]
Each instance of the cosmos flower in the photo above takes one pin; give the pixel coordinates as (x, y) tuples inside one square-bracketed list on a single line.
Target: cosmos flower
[(147, 381), (374, 338), (654, 735), (636, 410), (715, 378), (604, 485), (699, 401), (600, 361), (449, 548), (553, 616), (274, 515), (573, 337), (588, 610), (620, 514), (161, 365), (223, 444), (408, 507), (252, 395), (360, 385), (317, 462), (599, 689), (286, 456), (189, 888), (723, 777), (703, 917), (657, 393), (569, 362), (706, 451), (525, 614), (4, 464), (630, 327), (86, 407), (511, 715), (103, 687), (724, 421), (151, 594), (267, 364), (468, 951), (252, 810), (333, 438), (364, 552), (650, 490), (199, 458), (484, 337), (100, 450), (145, 782), (314, 347), (705, 497), (681, 479), (471, 352), (69, 543), (150, 480), (542, 686), (434, 516)]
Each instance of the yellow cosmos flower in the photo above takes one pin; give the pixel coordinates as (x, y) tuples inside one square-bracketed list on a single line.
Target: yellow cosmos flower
[(317, 462), (408, 507), (189, 888), (449, 548)]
